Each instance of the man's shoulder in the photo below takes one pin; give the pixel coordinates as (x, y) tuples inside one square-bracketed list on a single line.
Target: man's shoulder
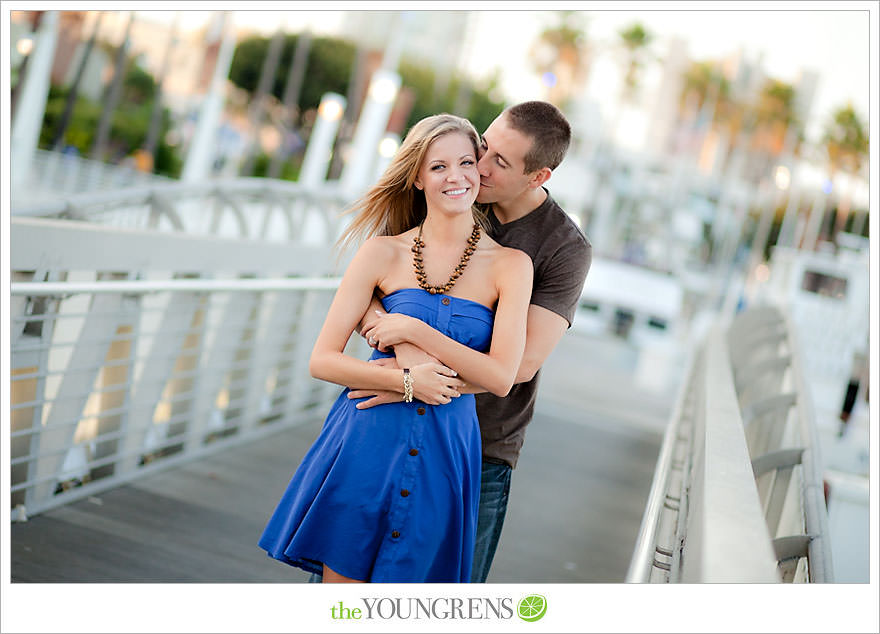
[(564, 229)]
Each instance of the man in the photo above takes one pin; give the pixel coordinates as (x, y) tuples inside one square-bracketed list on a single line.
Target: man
[(521, 148)]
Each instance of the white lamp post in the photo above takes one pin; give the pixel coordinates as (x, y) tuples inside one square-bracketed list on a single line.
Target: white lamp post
[(387, 149), (31, 105), (201, 150), (371, 126), (318, 154)]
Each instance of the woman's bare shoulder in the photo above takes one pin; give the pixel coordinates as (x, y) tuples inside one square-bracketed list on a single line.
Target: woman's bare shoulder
[(510, 257), (381, 246)]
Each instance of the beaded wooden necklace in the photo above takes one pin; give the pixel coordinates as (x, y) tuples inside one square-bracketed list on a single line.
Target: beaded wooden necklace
[(418, 265)]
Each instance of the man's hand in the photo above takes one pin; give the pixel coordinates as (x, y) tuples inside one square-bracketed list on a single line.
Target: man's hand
[(375, 397)]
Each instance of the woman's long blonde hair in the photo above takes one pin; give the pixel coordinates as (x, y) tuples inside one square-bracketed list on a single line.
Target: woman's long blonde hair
[(394, 205)]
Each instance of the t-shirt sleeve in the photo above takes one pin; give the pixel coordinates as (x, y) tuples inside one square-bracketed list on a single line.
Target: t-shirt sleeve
[(559, 284)]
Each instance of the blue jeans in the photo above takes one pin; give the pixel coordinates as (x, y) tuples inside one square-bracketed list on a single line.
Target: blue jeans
[(494, 492)]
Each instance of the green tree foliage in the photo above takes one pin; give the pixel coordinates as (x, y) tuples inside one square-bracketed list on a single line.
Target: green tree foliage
[(129, 126), (563, 50), (138, 86), (635, 41), (329, 69), (481, 110), (703, 81), (846, 140), (484, 108)]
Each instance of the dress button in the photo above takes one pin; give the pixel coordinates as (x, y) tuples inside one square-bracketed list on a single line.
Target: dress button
[(414, 452), (445, 301), (395, 534), (420, 411), (404, 492)]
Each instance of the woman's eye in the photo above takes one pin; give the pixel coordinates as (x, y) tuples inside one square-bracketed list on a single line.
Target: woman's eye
[(436, 167)]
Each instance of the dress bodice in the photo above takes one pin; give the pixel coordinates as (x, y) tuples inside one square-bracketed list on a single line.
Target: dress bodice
[(464, 320)]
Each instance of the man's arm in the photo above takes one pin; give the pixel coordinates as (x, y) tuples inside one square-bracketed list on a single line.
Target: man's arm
[(544, 330)]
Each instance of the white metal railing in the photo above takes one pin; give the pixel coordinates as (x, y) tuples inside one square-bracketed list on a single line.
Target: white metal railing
[(781, 434), (737, 490), (136, 350), (53, 174), (253, 208)]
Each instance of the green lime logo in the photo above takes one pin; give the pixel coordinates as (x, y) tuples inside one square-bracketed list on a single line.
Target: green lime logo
[(532, 607)]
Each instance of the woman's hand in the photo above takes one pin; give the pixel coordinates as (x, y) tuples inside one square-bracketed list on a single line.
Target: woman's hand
[(434, 383), (390, 329)]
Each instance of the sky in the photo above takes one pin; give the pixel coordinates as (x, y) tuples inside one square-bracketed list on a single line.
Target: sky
[(829, 38)]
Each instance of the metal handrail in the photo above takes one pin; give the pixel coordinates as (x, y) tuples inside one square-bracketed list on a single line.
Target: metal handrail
[(137, 287), (176, 189), (727, 538), (719, 424), (643, 554), (815, 512)]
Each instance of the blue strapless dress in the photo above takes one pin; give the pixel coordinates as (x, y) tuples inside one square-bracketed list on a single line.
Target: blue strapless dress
[(390, 493)]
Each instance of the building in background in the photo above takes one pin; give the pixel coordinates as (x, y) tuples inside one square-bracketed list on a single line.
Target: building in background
[(434, 38)]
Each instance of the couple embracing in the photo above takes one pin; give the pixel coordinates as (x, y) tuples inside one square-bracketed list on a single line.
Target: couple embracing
[(467, 276)]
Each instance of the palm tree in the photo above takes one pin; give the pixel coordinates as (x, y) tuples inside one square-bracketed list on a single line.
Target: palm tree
[(777, 127), (707, 103), (635, 40), (846, 145), (561, 53)]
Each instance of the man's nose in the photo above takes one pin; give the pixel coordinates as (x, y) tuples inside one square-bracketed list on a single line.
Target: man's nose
[(483, 166)]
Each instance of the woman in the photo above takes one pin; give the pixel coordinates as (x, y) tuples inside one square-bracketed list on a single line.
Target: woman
[(390, 493)]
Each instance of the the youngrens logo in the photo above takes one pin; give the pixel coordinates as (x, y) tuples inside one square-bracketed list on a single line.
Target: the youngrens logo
[(530, 608)]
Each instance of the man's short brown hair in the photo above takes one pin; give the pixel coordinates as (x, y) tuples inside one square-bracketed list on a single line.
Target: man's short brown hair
[(548, 128)]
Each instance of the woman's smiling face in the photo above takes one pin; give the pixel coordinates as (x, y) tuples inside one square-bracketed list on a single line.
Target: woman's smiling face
[(449, 175)]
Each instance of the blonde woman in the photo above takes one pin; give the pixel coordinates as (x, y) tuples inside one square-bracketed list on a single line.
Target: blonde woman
[(390, 493)]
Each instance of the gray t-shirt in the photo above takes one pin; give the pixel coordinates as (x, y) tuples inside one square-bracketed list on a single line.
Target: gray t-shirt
[(561, 255)]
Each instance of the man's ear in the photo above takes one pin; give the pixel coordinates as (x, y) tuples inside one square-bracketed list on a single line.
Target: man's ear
[(539, 177)]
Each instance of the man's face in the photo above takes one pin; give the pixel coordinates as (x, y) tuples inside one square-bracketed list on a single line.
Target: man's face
[(501, 164)]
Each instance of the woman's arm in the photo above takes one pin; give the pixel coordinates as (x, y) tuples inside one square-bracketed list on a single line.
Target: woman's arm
[(432, 383), (496, 370), (407, 354)]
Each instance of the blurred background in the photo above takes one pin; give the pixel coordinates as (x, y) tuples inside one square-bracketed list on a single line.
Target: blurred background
[(689, 126)]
